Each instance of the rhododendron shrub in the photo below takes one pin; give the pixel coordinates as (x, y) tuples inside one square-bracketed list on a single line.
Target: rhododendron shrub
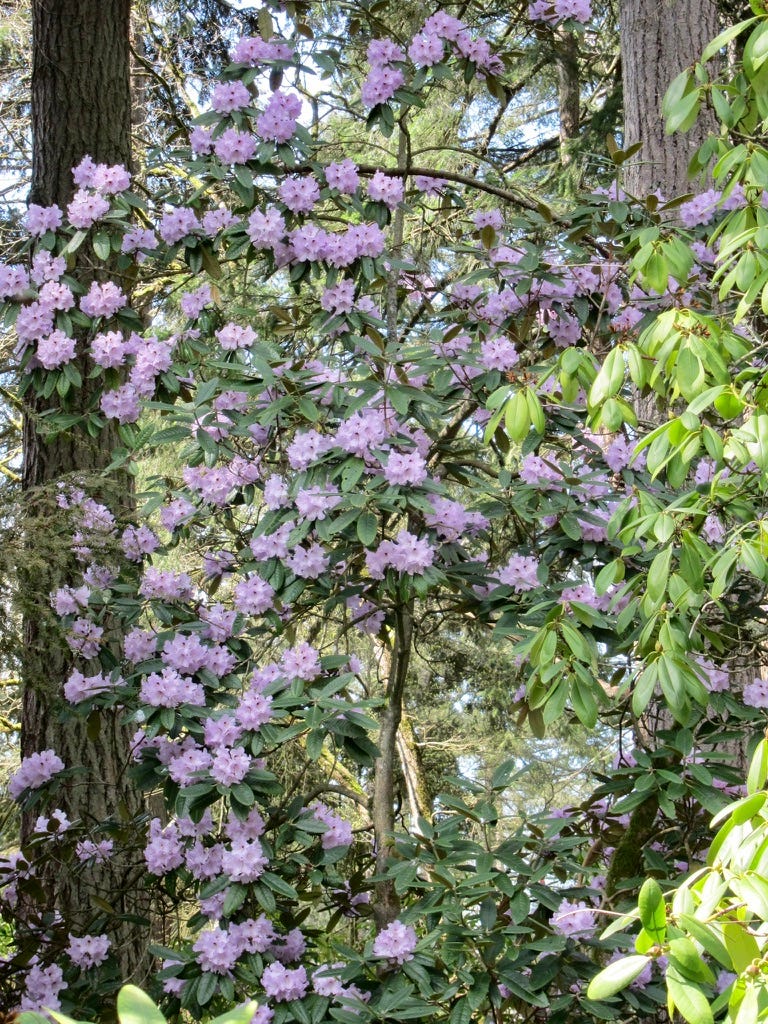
[(335, 498)]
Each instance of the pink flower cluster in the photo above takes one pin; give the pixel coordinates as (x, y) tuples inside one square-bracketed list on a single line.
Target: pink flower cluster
[(427, 48), (573, 919), (406, 553), (88, 951), (396, 943), (35, 771), (554, 11)]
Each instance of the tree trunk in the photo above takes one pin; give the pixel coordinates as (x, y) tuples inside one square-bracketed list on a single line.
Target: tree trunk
[(81, 105), (659, 38), (568, 93), (419, 802), (393, 668)]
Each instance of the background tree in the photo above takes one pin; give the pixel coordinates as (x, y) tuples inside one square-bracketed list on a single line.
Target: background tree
[(81, 105)]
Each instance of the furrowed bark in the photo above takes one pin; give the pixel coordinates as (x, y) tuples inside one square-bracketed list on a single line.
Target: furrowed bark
[(81, 105)]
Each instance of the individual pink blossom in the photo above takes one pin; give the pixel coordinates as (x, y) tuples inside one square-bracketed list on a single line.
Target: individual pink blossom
[(343, 176), (42, 986), (407, 553), (381, 85), (284, 984), (99, 853), (86, 208), (46, 267), (34, 321), (121, 404), (110, 179), (218, 220), (755, 694), (217, 950), (520, 573), (138, 541), (79, 688), (338, 832), (169, 689), (85, 637), (229, 96), (405, 468), (254, 710), (254, 50), (230, 765), (56, 295), (55, 350), (277, 123), (69, 600), (245, 861), (387, 189), (256, 935), (56, 824), (426, 49), (699, 210), (14, 280), (40, 219), (290, 948), (429, 185), (201, 141), (177, 224), (103, 299), (88, 950), (397, 943), (193, 303), (266, 228), (713, 529), (716, 680), (186, 766), (384, 51), (109, 349), (233, 336), (314, 503), (300, 193), (308, 563), (573, 918), (340, 298), (538, 472), (185, 653), (174, 514), (235, 147), (35, 771), (326, 982), (253, 595), (164, 851), (301, 662)]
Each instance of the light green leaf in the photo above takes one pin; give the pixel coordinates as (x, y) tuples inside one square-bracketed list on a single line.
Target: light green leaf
[(758, 769), (741, 945), (687, 960), (135, 1007), (722, 40), (616, 976), (653, 915), (239, 1015), (756, 50), (704, 933), (689, 1000)]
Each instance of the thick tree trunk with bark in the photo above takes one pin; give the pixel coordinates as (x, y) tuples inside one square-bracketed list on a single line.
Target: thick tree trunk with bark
[(659, 38), (568, 93), (81, 105), (393, 669)]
